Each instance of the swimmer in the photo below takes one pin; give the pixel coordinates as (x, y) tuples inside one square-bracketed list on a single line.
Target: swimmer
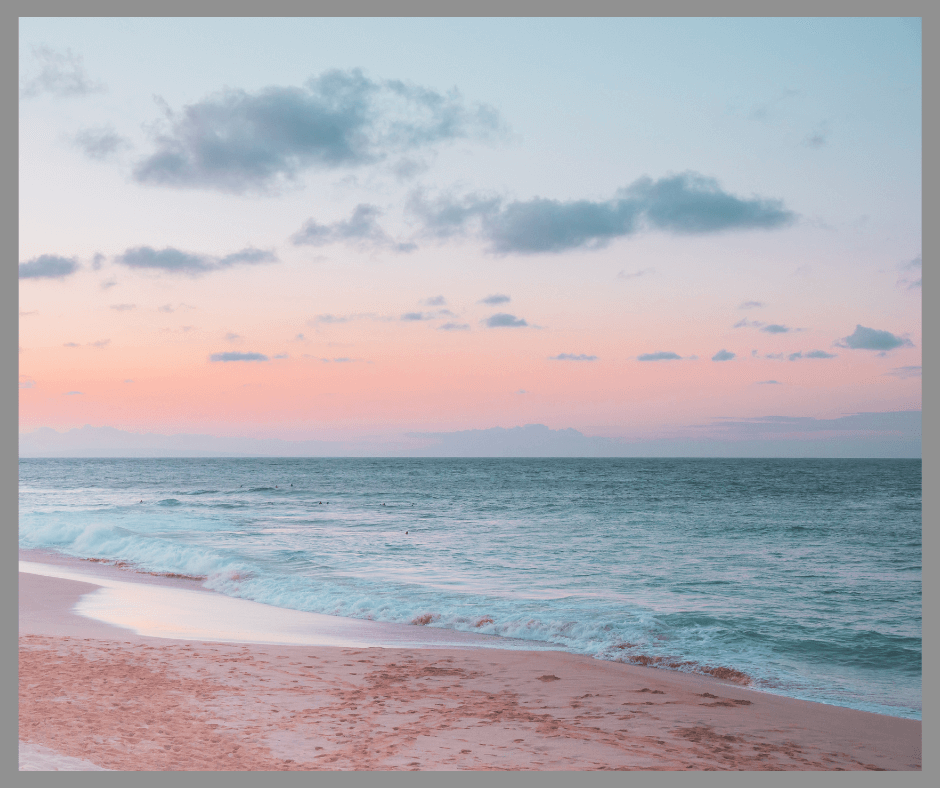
[(406, 533), (319, 503)]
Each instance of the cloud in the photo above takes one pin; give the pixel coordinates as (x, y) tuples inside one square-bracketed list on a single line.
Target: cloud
[(100, 143), (635, 274), (108, 284), (73, 393), (61, 74), (281, 355), (768, 383), (123, 307), (685, 204), (906, 372), (96, 261), (334, 319), (454, 327), (776, 328), (912, 284), (409, 316), (723, 355), (176, 261), (71, 344), (751, 305), (872, 339), (542, 225), (745, 323), (48, 266), (232, 356), (495, 300), (818, 139), (238, 141), (231, 336), (435, 301), (889, 423), (811, 354), (26, 383), (572, 357), (503, 320), (101, 343), (361, 229), (660, 356)]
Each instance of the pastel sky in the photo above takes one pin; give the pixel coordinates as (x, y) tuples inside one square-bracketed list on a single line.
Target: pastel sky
[(343, 229)]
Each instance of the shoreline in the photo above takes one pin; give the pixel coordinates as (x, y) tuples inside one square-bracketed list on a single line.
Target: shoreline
[(116, 699)]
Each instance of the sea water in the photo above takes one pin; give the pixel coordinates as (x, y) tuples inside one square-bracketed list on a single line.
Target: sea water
[(795, 576)]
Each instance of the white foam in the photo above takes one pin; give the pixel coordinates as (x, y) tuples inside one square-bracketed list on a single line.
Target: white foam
[(187, 614)]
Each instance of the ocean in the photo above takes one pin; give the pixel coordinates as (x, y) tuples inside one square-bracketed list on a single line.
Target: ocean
[(799, 577)]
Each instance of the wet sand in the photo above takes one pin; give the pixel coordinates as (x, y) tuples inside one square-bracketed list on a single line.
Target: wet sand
[(110, 698)]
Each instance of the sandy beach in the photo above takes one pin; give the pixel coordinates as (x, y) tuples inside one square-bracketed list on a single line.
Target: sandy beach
[(97, 696)]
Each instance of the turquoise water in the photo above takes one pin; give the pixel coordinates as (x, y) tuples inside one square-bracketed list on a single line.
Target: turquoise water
[(800, 577)]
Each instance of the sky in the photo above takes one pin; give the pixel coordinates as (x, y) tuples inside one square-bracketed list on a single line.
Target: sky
[(355, 230)]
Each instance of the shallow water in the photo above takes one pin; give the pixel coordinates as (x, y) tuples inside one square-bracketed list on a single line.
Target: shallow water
[(800, 576)]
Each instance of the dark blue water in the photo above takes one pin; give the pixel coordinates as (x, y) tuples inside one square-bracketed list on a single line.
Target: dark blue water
[(802, 577)]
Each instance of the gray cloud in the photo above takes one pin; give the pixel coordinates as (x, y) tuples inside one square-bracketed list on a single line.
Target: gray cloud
[(914, 265), (238, 141), (435, 301), (48, 266), (751, 305), (660, 356), (108, 284), (100, 143), (745, 323), (26, 383), (72, 393), (572, 357), (817, 139), (684, 204), (123, 307), (776, 328), (906, 372), (335, 319), (281, 355), (872, 339), (723, 355), (454, 327), (71, 344), (231, 336), (233, 356), (495, 299), (768, 383), (176, 261), (503, 320), (96, 261), (60, 74), (101, 343), (810, 354), (409, 316), (360, 229), (635, 274)]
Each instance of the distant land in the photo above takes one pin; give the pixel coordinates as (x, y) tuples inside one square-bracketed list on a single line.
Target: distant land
[(891, 434)]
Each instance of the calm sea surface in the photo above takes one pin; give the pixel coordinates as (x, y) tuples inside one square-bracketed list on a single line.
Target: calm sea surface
[(803, 575)]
